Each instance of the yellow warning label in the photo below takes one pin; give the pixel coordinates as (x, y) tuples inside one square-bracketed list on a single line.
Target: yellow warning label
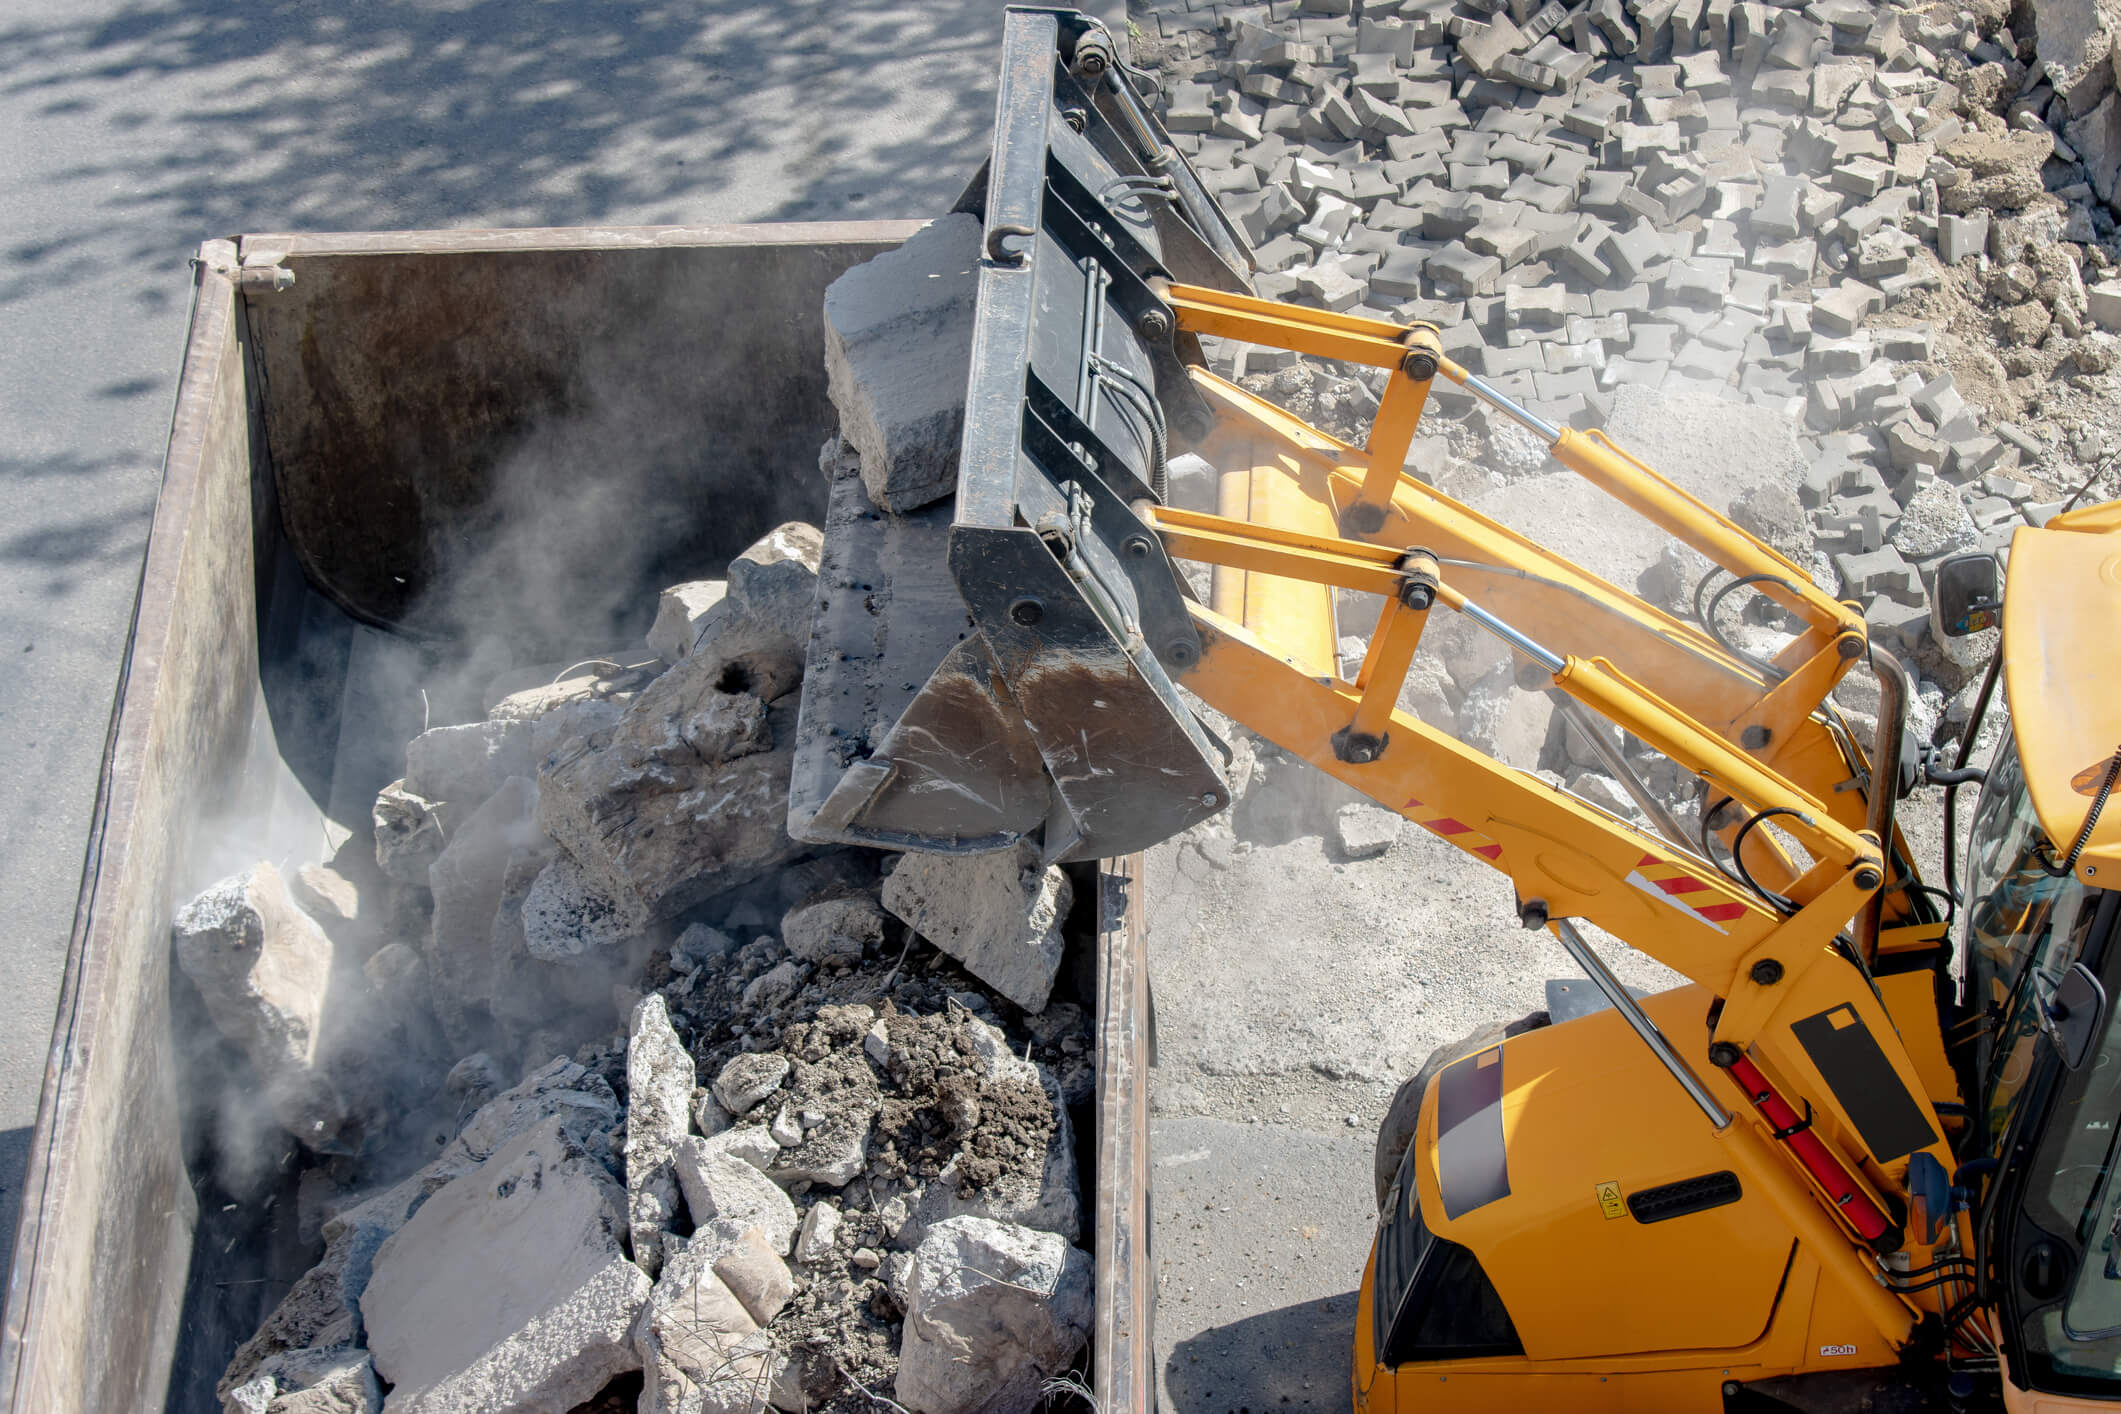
[(1610, 1202)]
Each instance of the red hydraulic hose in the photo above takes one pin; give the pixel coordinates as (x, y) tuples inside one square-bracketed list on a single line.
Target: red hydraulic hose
[(1829, 1172)]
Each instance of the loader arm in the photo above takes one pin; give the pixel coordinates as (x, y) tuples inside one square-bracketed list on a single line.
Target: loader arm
[(1058, 709)]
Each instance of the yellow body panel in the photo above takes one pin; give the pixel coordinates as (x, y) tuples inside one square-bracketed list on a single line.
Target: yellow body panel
[(2064, 677)]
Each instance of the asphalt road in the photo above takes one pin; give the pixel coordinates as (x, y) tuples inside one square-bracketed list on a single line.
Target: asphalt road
[(140, 131)]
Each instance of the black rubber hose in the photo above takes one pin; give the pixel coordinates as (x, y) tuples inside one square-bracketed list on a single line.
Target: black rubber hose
[(1785, 906)]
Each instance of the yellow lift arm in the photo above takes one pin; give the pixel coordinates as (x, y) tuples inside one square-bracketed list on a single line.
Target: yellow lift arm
[(1303, 514)]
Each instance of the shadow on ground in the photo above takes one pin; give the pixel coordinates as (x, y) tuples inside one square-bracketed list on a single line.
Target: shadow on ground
[(290, 115), (1298, 1357)]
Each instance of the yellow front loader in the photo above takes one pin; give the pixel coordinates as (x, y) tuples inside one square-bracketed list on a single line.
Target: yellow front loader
[(1865, 1159)]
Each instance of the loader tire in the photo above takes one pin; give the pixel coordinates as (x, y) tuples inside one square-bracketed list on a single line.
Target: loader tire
[(1404, 1116)]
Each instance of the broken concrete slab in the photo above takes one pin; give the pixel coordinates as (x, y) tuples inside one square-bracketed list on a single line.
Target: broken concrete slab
[(999, 914), (898, 344), (1366, 831), (659, 1084), (264, 969), (992, 1311), (747, 1079), (507, 1289)]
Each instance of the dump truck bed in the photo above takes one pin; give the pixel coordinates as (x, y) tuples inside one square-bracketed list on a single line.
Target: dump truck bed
[(337, 442)]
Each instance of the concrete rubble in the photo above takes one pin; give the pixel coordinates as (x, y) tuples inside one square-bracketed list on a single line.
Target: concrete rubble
[(748, 1088)]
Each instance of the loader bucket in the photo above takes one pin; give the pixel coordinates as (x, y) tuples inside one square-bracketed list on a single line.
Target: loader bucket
[(992, 668)]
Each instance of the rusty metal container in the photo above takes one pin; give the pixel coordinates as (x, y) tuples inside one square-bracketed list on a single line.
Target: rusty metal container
[(352, 411)]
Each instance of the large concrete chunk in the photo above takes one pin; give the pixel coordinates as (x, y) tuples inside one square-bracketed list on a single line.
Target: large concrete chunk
[(673, 805), (999, 914), (334, 1381), (898, 345), (507, 1290), (263, 968), (992, 1310), (659, 1081)]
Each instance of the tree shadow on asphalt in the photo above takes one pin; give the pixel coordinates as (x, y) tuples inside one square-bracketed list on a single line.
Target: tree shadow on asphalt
[(1298, 1357), (292, 115)]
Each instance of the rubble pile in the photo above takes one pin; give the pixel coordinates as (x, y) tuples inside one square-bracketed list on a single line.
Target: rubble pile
[(607, 1093), (1883, 226), (1882, 221)]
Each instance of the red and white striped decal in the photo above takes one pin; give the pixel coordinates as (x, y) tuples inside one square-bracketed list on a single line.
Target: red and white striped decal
[(1456, 831), (1671, 884)]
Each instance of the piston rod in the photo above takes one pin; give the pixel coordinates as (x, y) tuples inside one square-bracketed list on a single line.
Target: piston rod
[(1624, 1002)]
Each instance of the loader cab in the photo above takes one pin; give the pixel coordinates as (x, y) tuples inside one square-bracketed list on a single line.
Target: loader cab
[(2034, 943)]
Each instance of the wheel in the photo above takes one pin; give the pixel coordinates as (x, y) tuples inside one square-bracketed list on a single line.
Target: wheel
[(1404, 1115)]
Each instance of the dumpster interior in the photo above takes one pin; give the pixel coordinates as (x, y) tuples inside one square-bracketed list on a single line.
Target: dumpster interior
[(497, 882)]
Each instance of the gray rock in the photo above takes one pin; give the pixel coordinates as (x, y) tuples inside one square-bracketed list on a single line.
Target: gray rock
[(720, 1186), (821, 1228), (775, 579), (410, 831), (1934, 523), (833, 929), (659, 1083), (656, 822), (999, 914), (1364, 830), (318, 1321), (992, 1311), (748, 1079), (898, 344), (683, 612), (507, 1289), (338, 1380), (465, 764), (263, 968), (829, 1154), (775, 985), (566, 918)]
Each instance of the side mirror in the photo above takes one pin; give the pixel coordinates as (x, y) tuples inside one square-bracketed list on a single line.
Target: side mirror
[(1968, 594), (2071, 1016)]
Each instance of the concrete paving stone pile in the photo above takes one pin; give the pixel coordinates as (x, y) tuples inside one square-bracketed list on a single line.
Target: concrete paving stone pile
[(1883, 222)]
